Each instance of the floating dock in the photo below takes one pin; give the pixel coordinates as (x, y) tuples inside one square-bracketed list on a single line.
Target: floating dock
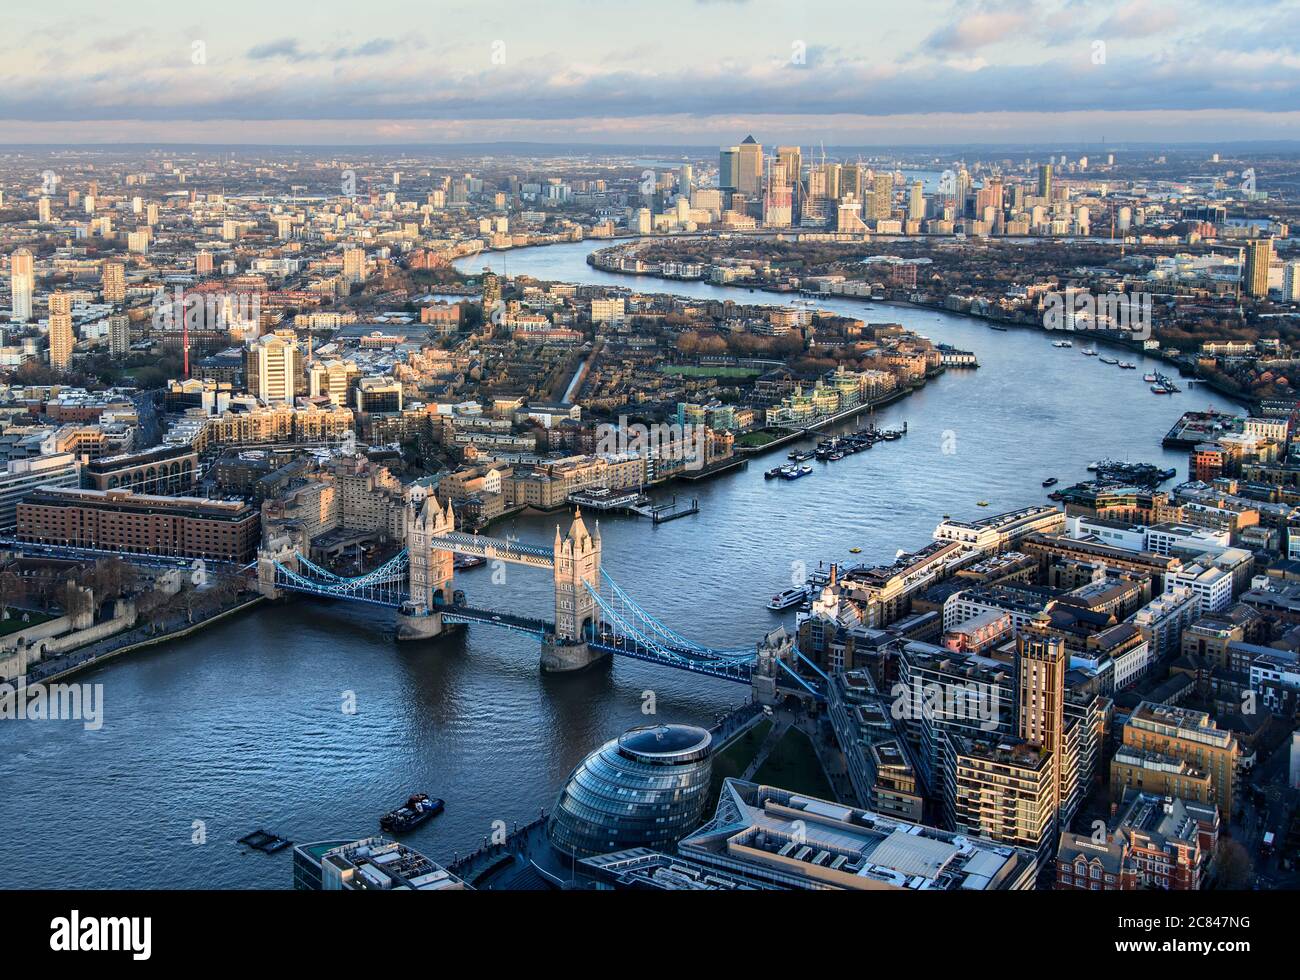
[(264, 841), (660, 513)]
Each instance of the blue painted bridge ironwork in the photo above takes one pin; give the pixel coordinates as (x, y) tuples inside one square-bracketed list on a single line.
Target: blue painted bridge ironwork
[(622, 627)]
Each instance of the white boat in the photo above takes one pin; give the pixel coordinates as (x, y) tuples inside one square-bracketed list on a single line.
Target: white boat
[(787, 599), (1062, 343), (1088, 352)]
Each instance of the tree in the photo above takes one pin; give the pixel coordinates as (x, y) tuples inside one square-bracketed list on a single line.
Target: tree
[(1232, 865), (76, 600), (111, 578), (11, 587)]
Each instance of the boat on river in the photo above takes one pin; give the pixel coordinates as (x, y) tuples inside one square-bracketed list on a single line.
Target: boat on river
[(787, 599), (415, 811)]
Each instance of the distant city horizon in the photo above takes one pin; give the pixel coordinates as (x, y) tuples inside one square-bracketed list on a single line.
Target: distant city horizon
[(695, 70), (1119, 146)]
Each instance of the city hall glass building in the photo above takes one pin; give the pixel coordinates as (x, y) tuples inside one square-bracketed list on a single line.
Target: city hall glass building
[(646, 788)]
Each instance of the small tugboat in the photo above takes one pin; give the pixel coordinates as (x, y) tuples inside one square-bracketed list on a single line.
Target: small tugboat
[(414, 812), (1051, 481), (787, 599), (774, 472)]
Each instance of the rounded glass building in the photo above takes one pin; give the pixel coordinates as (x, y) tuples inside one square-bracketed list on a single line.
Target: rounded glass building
[(646, 788)]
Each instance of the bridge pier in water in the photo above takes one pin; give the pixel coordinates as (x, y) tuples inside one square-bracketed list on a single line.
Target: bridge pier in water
[(419, 626)]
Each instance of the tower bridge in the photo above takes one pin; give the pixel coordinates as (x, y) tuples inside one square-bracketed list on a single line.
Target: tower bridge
[(593, 616)]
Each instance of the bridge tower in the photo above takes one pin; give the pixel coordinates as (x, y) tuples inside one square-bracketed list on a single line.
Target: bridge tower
[(431, 571), (577, 560), (282, 550)]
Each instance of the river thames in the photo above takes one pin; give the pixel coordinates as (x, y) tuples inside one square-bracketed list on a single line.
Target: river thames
[(241, 726)]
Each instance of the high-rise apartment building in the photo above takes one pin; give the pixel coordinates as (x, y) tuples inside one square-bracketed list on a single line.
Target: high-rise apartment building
[(1291, 282), (916, 202), (852, 179), (791, 159), (988, 196), (61, 337), (22, 278), (491, 291), (1041, 663), (119, 335), (1004, 791), (113, 282), (881, 203), (354, 265), (1045, 180), (1254, 278), (777, 202), (831, 181)]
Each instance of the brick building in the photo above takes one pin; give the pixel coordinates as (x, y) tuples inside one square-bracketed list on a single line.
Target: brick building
[(118, 520)]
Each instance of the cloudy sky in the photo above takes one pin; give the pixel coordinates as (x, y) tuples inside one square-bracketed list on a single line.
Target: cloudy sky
[(630, 71)]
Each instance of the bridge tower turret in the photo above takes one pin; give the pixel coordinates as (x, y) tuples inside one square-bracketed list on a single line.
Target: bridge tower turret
[(577, 557), (577, 561), (431, 570)]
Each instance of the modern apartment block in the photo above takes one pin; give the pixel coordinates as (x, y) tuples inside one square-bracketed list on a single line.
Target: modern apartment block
[(21, 476), (1005, 791), (1176, 752)]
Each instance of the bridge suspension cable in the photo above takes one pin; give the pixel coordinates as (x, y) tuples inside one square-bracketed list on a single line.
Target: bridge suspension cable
[(686, 653), (674, 638)]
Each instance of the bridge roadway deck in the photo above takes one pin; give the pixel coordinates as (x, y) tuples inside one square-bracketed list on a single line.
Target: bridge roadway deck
[(481, 547)]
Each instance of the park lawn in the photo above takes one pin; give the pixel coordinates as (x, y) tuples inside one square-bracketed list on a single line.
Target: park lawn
[(736, 757), (695, 371), (753, 440), (15, 621), (793, 765)]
